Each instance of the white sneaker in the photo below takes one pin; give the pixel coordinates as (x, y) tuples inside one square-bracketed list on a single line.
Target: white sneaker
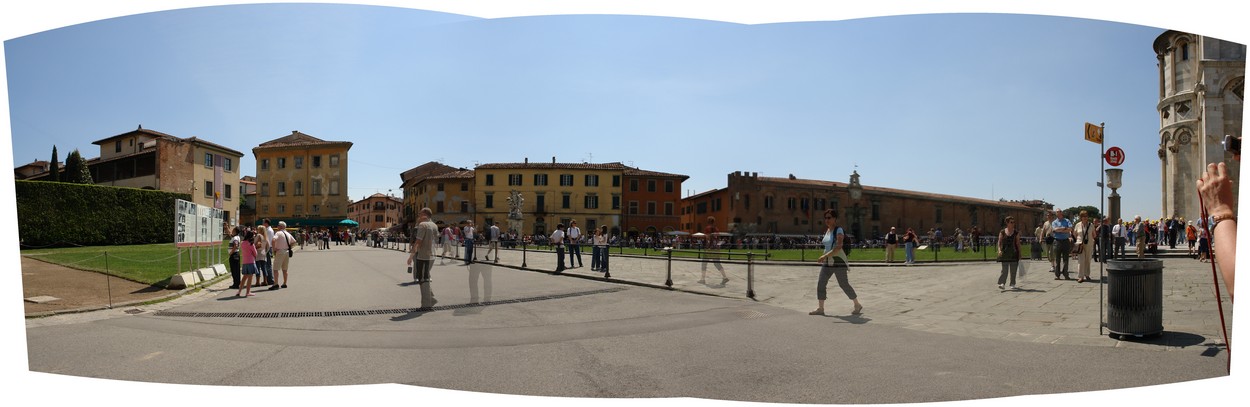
[(1000, 286), (1013, 287)]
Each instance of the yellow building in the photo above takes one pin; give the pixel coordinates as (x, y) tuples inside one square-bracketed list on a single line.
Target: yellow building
[(446, 190), (552, 192), (303, 180)]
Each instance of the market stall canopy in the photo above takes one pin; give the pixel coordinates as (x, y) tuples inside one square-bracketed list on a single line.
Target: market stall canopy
[(349, 222)]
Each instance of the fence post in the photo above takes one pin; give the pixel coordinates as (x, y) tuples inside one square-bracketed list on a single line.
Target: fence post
[(108, 280), (669, 281), (751, 275)]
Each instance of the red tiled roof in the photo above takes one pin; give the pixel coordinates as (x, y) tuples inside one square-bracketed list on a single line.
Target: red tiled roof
[(570, 166), (457, 174), (297, 139), (425, 170), (635, 172), (140, 130), (197, 140)]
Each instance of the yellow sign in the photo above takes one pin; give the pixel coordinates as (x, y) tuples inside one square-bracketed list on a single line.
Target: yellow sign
[(1093, 133)]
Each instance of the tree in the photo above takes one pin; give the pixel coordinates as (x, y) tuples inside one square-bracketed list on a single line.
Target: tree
[(55, 168), (1074, 212), (76, 170)]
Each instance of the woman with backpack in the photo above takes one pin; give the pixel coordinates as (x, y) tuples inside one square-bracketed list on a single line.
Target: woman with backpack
[(833, 263)]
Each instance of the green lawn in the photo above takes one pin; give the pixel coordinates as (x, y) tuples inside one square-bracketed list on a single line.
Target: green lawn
[(800, 255), (149, 264)]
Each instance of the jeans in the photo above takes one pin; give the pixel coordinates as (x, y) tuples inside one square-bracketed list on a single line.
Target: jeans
[(910, 248), (594, 257), (468, 251), (575, 250)]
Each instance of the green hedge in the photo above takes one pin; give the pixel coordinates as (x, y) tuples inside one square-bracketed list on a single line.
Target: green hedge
[(63, 214)]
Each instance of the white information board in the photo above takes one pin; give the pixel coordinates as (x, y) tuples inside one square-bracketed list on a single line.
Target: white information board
[(196, 225)]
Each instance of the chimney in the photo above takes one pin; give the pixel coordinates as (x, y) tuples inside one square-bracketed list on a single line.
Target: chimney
[(527, 160), (553, 159)]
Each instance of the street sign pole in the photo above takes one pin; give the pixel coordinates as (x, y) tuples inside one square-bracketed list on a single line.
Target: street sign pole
[(1102, 187)]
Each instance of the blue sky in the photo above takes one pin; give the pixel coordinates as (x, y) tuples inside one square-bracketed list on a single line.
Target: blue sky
[(981, 105)]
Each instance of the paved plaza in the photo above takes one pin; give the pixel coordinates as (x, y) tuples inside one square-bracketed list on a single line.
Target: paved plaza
[(351, 315)]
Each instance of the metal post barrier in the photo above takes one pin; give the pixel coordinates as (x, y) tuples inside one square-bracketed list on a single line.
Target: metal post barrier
[(523, 254), (750, 275), (802, 253), (669, 281)]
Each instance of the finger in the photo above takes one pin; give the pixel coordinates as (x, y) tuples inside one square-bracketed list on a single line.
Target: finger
[(1221, 170)]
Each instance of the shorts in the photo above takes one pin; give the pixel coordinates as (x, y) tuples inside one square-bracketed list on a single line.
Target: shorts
[(280, 260), (250, 269)]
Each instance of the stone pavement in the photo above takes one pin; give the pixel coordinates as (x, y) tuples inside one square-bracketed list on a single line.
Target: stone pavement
[(350, 316), (950, 298)]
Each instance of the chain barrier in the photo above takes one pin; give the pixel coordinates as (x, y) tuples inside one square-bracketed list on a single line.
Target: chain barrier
[(144, 261)]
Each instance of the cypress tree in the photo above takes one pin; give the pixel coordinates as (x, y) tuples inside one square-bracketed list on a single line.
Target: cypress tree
[(55, 169)]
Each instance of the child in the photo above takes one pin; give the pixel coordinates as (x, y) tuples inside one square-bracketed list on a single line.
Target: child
[(248, 250)]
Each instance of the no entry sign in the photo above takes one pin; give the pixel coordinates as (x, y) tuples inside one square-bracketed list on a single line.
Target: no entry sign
[(1114, 156)]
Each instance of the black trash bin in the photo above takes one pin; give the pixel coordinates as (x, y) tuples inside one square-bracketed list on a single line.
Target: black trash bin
[(1134, 297)]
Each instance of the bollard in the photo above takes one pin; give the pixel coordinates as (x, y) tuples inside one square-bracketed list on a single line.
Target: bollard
[(750, 275), (523, 254), (669, 281)]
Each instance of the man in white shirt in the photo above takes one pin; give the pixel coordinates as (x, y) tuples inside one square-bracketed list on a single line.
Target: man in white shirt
[(557, 240), (574, 234), (282, 243), (469, 233), (492, 241)]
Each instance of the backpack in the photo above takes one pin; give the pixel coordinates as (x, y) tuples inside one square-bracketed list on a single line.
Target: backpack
[(846, 241)]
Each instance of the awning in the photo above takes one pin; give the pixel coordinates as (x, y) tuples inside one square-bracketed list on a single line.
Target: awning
[(308, 222)]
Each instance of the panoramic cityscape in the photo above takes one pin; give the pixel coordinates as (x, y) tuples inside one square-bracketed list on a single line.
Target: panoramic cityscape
[(939, 168)]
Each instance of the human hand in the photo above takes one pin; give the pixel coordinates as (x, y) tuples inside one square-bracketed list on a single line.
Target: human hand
[(1216, 190)]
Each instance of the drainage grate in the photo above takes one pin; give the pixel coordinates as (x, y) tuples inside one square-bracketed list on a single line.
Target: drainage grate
[(177, 314), (750, 314)]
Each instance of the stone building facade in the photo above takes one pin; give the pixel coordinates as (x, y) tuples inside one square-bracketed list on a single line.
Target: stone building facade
[(652, 201), (751, 204), (628, 200), (1201, 97), (446, 190), (377, 211), (302, 180), (553, 193)]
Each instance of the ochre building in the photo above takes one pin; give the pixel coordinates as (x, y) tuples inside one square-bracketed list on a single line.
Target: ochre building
[(303, 180)]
